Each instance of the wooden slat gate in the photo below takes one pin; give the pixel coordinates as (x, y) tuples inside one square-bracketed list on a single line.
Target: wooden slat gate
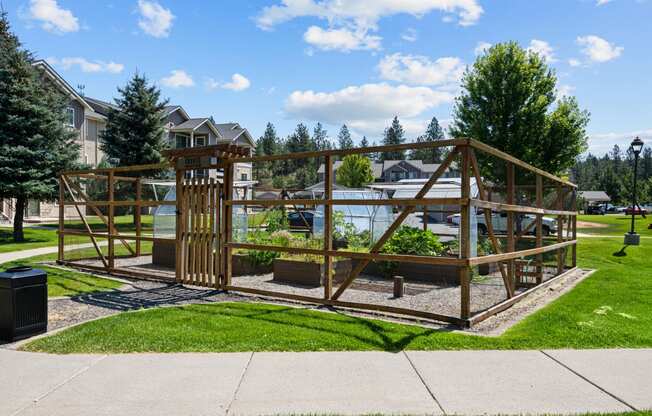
[(198, 226)]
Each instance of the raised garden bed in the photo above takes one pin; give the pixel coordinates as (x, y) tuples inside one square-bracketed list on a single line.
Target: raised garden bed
[(308, 273), (241, 265)]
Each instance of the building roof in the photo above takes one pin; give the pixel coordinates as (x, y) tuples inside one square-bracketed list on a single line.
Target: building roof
[(232, 131), (100, 107), (58, 79), (379, 167), (594, 196)]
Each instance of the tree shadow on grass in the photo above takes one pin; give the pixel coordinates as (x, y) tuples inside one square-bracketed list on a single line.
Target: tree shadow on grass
[(621, 252)]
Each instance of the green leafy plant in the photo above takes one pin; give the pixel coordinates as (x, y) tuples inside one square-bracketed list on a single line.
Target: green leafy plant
[(412, 241)]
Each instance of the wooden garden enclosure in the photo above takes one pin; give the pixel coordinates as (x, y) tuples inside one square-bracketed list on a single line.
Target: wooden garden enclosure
[(492, 185)]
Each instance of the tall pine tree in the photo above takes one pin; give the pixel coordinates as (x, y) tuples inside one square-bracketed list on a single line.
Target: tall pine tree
[(134, 133), (35, 144), (320, 137), (364, 142), (433, 133), (393, 135), (344, 138)]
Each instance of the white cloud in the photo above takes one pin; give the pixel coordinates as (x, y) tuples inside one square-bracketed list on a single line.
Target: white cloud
[(565, 90), (601, 143), (574, 62), (366, 13), (543, 49), (85, 65), (367, 107), (238, 83), (598, 49), (410, 35), (602, 2), (54, 18), (340, 39), (178, 78), (349, 22), (420, 70), (481, 48), (155, 20)]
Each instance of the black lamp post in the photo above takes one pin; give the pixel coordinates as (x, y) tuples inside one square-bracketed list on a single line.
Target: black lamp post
[(632, 238)]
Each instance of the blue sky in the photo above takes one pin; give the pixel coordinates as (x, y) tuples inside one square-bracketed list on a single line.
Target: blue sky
[(357, 62)]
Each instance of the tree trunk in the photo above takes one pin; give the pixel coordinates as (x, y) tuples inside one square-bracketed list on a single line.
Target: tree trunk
[(19, 236)]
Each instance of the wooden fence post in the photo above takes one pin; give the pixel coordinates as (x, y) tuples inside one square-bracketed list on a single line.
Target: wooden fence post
[(511, 242), (62, 214), (539, 243), (139, 195), (328, 226), (111, 225), (464, 243), (227, 218), (180, 256), (560, 228)]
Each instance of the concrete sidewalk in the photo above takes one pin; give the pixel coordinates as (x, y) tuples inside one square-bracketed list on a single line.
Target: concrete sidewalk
[(415, 382), (25, 254)]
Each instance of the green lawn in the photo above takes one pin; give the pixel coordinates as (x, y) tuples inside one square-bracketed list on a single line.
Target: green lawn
[(612, 308), (34, 238), (615, 224), (65, 282)]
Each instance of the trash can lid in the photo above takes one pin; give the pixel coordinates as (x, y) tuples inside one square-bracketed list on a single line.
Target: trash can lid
[(22, 276)]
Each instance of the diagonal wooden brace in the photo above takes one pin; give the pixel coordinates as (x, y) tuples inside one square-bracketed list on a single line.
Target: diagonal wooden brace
[(397, 222)]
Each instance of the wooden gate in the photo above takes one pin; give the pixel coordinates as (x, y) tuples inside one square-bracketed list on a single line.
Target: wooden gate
[(198, 212)]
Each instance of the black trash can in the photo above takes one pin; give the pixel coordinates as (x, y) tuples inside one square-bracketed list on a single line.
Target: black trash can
[(23, 303)]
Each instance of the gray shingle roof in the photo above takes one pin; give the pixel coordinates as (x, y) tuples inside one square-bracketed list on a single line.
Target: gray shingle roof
[(229, 131), (190, 124), (379, 167), (99, 106)]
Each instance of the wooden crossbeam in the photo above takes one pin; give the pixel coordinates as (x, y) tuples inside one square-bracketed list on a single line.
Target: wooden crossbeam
[(397, 223)]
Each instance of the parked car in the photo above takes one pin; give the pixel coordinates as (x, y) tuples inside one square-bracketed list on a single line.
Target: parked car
[(499, 223), (635, 211), (594, 210), (621, 210)]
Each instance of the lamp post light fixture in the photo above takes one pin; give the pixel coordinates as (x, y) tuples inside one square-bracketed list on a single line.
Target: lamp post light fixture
[(631, 238)]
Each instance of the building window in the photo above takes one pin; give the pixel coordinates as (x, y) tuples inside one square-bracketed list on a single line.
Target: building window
[(200, 140), (244, 177), (181, 141), (201, 173), (70, 117)]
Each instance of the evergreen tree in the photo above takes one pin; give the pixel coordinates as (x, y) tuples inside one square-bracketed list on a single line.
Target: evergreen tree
[(507, 103), (433, 133), (299, 141), (393, 135), (266, 145), (134, 133), (320, 137), (364, 142), (35, 144), (344, 138)]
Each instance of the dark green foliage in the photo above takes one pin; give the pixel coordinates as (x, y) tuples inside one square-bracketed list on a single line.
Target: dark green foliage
[(134, 133), (35, 144), (320, 137), (355, 171), (413, 241), (364, 142), (344, 138), (612, 173), (507, 103), (433, 133), (393, 135)]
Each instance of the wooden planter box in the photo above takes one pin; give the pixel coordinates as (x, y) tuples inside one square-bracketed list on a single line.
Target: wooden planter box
[(308, 274), (164, 254), (432, 273), (241, 265)]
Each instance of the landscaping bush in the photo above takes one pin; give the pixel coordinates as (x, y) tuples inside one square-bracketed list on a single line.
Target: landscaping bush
[(411, 241)]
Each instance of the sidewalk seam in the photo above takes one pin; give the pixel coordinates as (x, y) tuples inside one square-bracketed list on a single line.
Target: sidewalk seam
[(58, 386), (237, 388), (424, 382), (589, 381)]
